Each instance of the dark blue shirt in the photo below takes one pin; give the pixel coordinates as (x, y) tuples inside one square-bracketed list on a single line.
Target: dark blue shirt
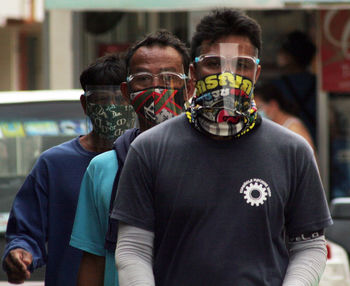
[(43, 211)]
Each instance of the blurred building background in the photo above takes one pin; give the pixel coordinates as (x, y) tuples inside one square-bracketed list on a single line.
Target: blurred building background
[(21, 37)]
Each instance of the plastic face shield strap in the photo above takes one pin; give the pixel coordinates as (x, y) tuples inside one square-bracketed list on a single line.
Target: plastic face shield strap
[(108, 113), (226, 74), (158, 97)]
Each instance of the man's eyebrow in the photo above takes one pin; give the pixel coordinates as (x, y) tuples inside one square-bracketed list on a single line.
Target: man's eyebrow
[(137, 70), (144, 69), (168, 69)]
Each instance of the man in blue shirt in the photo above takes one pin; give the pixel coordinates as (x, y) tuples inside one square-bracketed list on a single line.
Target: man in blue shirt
[(42, 214), (156, 81)]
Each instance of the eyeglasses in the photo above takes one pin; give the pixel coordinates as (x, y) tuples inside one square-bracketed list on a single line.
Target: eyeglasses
[(143, 80), (218, 63)]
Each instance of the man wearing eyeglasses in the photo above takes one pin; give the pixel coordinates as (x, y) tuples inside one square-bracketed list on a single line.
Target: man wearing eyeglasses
[(156, 87), (220, 196)]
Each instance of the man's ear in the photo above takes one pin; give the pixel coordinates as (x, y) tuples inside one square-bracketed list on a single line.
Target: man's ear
[(83, 102), (190, 89), (191, 83), (193, 75), (258, 70), (125, 91)]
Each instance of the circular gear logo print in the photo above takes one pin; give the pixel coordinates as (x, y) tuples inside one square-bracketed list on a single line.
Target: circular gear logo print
[(255, 192)]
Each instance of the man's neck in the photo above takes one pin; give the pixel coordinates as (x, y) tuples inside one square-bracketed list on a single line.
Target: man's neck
[(144, 125), (93, 143)]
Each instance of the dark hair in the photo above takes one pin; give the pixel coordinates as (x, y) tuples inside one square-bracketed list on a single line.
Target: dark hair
[(107, 70), (225, 22), (269, 91), (161, 38), (300, 46)]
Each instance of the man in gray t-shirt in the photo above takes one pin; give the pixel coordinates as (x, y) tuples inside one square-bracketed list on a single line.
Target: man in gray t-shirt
[(211, 197)]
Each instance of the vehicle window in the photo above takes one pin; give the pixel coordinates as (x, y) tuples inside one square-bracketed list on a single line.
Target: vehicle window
[(26, 130)]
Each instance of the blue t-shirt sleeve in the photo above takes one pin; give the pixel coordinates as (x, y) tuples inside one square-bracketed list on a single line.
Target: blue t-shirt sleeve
[(27, 224), (87, 234)]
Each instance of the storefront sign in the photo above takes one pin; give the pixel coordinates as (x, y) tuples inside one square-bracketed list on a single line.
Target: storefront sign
[(73, 127), (335, 50), (40, 128), (12, 129), (104, 49)]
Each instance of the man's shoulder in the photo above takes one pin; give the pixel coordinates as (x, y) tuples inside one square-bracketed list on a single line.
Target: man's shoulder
[(104, 159), (61, 150), (64, 153), (282, 137), (101, 158), (269, 126), (63, 147)]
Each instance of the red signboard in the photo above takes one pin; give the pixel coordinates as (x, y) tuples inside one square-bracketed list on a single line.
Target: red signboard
[(104, 49), (335, 50)]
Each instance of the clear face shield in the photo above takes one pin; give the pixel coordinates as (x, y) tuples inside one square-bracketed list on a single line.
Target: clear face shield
[(157, 97), (109, 115), (226, 74)]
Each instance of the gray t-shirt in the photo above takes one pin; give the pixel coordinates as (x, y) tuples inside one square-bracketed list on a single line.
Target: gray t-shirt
[(219, 209)]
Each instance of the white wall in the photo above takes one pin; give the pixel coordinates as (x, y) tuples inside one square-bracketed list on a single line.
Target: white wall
[(21, 10), (9, 77), (60, 47)]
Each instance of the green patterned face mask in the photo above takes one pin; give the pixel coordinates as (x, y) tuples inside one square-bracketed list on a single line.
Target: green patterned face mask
[(110, 121)]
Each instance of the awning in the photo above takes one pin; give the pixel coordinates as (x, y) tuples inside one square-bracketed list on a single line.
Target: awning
[(188, 5), (160, 5)]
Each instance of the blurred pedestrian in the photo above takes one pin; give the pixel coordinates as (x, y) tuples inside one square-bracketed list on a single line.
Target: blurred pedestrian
[(156, 87), (297, 82), (207, 198), (271, 102), (42, 213)]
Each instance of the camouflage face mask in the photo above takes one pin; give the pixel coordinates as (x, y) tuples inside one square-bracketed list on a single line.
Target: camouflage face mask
[(110, 121)]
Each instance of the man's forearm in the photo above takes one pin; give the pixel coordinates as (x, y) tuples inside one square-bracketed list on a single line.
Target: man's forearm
[(134, 256), (91, 270), (307, 262)]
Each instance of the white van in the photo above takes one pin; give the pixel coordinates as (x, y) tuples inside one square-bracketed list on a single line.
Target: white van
[(30, 123)]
